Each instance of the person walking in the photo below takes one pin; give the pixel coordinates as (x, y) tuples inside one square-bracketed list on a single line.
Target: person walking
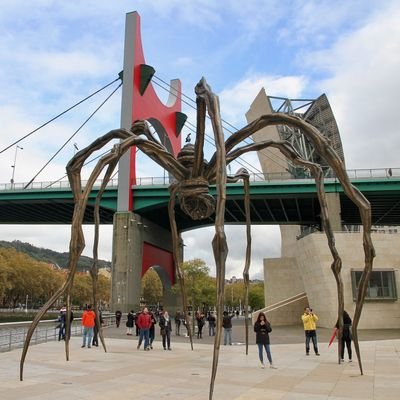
[(178, 320), (227, 325), (346, 336), (200, 323), (144, 324), (88, 322), (62, 323), (262, 328), (211, 324), (152, 330), (95, 341), (165, 329), (130, 322), (118, 316), (310, 329)]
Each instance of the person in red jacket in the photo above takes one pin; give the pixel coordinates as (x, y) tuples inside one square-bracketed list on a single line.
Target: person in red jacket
[(88, 322), (144, 323)]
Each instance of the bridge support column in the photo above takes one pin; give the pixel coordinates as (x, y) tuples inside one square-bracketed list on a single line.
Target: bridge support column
[(127, 262), (334, 211), (139, 244)]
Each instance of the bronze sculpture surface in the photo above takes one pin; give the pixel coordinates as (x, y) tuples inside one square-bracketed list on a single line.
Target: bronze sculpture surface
[(191, 190)]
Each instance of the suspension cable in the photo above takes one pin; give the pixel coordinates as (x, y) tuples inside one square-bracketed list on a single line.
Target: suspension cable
[(87, 163), (72, 136), (59, 115), (211, 141), (225, 122)]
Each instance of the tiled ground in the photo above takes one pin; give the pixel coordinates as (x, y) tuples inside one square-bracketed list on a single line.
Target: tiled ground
[(127, 373)]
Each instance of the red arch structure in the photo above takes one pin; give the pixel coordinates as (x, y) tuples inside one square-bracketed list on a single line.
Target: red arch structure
[(141, 102), (155, 256)]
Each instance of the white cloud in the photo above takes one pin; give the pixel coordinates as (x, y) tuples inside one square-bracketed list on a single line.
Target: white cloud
[(363, 89), (265, 244), (235, 101)]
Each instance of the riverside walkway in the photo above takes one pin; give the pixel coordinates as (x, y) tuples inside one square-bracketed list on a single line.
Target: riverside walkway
[(125, 372)]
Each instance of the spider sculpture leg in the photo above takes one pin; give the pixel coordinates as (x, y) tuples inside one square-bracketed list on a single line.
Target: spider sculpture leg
[(81, 195), (219, 244), (94, 270), (176, 245), (323, 147), (244, 175)]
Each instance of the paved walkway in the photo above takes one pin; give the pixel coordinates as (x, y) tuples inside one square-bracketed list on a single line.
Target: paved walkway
[(126, 373)]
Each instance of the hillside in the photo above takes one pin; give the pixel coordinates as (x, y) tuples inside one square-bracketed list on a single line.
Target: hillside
[(52, 257)]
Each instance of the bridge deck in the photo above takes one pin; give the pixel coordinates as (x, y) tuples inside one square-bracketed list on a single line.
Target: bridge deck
[(273, 202)]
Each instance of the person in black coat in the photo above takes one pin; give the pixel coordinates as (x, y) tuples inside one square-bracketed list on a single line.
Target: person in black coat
[(262, 328), (200, 323), (118, 316), (346, 336), (227, 325), (211, 324), (95, 341), (130, 322), (165, 329)]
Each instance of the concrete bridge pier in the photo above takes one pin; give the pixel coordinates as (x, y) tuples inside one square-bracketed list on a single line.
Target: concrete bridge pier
[(138, 245)]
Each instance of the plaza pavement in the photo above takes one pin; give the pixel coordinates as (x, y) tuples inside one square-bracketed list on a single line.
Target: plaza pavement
[(124, 372)]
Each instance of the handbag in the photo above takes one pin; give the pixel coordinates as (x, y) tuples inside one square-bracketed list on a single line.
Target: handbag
[(162, 331)]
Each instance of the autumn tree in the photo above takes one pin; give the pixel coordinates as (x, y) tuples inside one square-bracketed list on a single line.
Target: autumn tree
[(82, 292), (151, 287), (24, 278), (104, 289)]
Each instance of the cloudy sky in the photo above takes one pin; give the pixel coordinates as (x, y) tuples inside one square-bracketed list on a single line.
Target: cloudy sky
[(53, 54)]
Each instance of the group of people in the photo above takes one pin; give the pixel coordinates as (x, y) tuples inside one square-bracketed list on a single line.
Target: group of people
[(146, 322), (90, 328), (200, 319), (262, 328), (310, 319)]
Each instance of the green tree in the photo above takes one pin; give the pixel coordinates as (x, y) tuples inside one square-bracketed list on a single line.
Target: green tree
[(234, 294), (256, 296), (200, 287)]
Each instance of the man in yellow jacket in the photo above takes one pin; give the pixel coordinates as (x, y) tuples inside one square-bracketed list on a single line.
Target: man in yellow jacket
[(310, 329)]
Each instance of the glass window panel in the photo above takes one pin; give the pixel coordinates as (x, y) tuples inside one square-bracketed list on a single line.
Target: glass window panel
[(382, 285)]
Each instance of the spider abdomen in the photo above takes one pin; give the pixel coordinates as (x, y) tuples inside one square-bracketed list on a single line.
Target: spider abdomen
[(195, 199)]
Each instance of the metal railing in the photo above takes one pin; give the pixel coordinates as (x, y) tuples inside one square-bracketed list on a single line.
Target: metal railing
[(166, 180), (13, 334)]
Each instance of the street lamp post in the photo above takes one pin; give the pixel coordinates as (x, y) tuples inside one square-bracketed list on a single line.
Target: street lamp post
[(13, 166)]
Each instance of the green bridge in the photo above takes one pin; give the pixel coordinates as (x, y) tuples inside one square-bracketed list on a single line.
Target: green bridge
[(272, 202)]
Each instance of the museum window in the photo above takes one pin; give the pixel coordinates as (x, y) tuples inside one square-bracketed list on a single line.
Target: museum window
[(381, 286)]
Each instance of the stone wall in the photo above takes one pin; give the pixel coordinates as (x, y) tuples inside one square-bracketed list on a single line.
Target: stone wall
[(313, 263)]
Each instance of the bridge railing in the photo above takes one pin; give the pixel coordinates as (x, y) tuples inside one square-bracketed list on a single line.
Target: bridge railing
[(13, 334), (165, 180)]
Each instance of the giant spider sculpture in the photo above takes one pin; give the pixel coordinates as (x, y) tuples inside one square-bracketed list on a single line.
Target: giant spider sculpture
[(191, 190)]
